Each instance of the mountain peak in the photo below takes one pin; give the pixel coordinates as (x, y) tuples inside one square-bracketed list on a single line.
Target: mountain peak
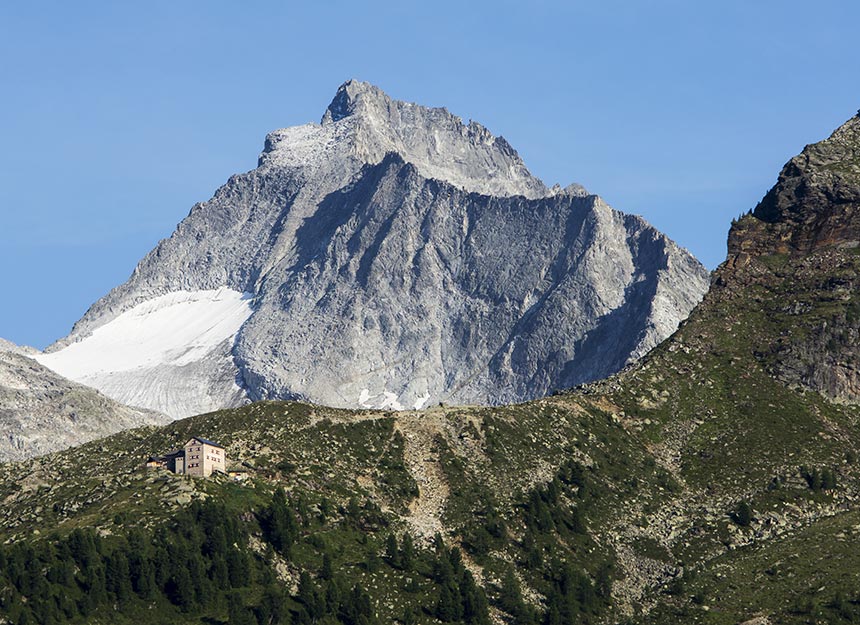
[(363, 124), (814, 204), (396, 255), (352, 95)]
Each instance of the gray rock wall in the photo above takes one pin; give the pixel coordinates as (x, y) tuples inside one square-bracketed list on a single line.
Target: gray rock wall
[(400, 257)]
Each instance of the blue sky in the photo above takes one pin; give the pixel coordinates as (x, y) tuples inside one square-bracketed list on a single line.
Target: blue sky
[(116, 118)]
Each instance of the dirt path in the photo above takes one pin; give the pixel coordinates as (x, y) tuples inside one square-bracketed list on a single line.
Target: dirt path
[(421, 457)]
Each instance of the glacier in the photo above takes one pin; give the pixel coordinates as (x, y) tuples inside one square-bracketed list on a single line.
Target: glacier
[(168, 334)]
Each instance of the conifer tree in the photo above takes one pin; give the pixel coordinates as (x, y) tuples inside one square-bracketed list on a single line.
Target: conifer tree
[(180, 590), (357, 608), (117, 576), (447, 609), (238, 568), (280, 523), (743, 514), (407, 552), (237, 613), (392, 550)]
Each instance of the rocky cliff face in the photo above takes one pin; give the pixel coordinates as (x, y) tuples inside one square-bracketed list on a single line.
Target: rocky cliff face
[(430, 293), (392, 256), (41, 412), (814, 204), (802, 240)]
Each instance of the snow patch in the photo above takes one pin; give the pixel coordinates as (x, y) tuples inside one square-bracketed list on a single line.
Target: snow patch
[(390, 401), (177, 329), (363, 398), (421, 401)]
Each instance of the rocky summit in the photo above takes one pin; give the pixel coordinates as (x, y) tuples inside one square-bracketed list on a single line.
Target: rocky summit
[(815, 203), (390, 256)]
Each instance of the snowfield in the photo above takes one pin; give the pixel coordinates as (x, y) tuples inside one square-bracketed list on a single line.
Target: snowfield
[(177, 329), (176, 332)]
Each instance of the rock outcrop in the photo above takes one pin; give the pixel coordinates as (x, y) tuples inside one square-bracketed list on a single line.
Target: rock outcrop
[(814, 204), (393, 257), (41, 412), (802, 239)]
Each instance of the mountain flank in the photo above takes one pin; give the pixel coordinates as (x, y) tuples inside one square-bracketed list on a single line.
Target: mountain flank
[(42, 412), (390, 256), (803, 238)]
